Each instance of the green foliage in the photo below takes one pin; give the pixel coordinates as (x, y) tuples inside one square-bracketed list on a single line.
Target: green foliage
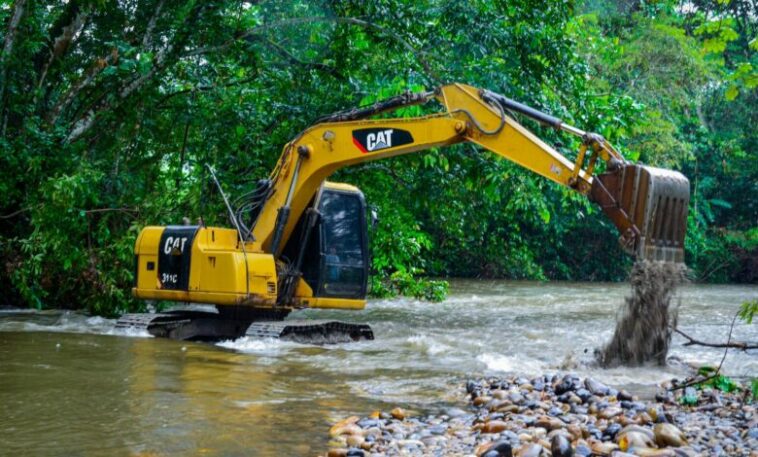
[(109, 110), (748, 310), (406, 283), (719, 381)]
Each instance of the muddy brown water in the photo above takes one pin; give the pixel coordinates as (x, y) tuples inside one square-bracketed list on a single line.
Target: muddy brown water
[(72, 385)]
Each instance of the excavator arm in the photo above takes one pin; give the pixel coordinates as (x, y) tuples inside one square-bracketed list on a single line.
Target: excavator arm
[(647, 205)]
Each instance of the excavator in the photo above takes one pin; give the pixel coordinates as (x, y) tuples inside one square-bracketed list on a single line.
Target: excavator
[(300, 241)]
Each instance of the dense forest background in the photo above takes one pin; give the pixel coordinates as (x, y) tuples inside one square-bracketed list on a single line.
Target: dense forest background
[(110, 108)]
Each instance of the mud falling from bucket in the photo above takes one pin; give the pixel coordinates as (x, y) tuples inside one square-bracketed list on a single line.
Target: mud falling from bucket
[(645, 322)]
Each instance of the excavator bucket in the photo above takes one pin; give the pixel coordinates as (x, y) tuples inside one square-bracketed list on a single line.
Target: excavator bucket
[(649, 207)]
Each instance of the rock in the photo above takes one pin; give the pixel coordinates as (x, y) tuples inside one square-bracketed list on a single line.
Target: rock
[(333, 431), (669, 435), (565, 385), (633, 439), (337, 453), (601, 448), (549, 423), (355, 440), (575, 431), (355, 453), (624, 395), (347, 429), (501, 449), (583, 394), (639, 429), (481, 401), (610, 412), (596, 387), (495, 426), (529, 450), (611, 431), (583, 450), (560, 446), (652, 452), (398, 413)]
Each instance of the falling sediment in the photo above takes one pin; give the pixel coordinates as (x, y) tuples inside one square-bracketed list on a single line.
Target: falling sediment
[(645, 322)]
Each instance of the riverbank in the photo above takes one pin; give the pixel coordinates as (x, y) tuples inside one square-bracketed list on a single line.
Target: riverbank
[(560, 415)]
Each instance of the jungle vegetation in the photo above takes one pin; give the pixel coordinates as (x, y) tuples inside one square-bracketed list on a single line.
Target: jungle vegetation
[(109, 110)]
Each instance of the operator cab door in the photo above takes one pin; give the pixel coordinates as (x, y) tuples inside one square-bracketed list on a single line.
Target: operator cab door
[(336, 263)]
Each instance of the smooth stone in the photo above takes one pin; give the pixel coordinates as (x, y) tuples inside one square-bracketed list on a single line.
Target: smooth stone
[(355, 453), (555, 411), (639, 429), (355, 440), (410, 443), (564, 386), (368, 423), (669, 435), (549, 423), (347, 429), (601, 448), (499, 394), (560, 446), (529, 450), (398, 413), (575, 431), (336, 428), (578, 409), (438, 430), (481, 401), (455, 412), (495, 426), (596, 387), (583, 394), (633, 439), (501, 449), (583, 450), (510, 438), (652, 452), (612, 430), (516, 398), (624, 395), (337, 453), (610, 412)]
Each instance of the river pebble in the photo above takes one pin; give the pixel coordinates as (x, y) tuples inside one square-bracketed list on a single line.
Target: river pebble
[(560, 415)]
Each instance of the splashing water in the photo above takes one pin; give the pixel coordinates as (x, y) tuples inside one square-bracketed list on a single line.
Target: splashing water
[(644, 325)]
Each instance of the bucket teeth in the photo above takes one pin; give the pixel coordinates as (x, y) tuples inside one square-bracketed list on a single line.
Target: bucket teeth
[(649, 207)]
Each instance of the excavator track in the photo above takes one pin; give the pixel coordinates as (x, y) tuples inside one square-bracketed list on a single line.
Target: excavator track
[(311, 331), (210, 326)]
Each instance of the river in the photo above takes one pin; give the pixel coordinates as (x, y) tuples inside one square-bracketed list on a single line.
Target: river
[(71, 385)]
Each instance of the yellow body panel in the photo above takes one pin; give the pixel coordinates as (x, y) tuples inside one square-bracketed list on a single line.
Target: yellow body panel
[(220, 272)]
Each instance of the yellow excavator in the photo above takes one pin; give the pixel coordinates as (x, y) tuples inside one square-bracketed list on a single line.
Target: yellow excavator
[(300, 241)]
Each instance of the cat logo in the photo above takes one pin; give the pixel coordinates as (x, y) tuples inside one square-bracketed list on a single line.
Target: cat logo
[(376, 139)]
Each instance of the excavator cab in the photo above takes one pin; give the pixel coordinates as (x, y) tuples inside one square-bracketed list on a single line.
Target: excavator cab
[(336, 261)]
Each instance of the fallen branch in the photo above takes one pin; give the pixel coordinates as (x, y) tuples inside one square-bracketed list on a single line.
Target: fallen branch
[(695, 342), (718, 370)]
